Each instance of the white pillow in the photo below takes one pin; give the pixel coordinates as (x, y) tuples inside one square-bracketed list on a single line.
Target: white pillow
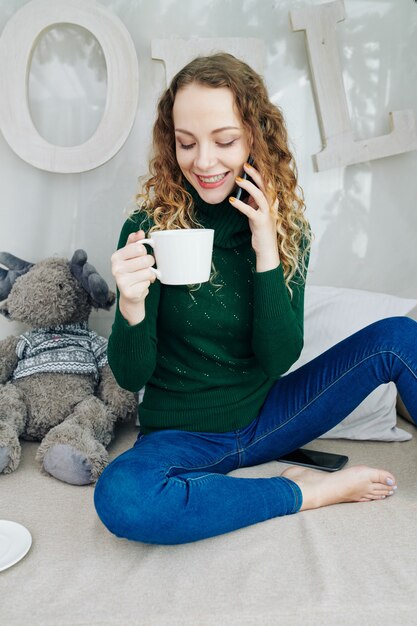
[(333, 313)]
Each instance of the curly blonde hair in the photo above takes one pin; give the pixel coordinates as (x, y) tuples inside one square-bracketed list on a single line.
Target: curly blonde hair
[(170, 206)]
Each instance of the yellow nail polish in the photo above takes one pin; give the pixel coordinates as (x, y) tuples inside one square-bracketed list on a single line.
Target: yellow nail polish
[(232, 199), (248, 165), (238, 179)]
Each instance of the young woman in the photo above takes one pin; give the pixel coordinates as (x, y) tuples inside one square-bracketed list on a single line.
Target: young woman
[(213, 355)]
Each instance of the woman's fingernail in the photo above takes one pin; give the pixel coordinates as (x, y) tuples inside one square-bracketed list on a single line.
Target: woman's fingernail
[(232, 199), (390, 481), (238, 179), (249, 166)]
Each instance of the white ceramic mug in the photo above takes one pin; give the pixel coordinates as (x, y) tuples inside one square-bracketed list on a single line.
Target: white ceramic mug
[(183, 256)]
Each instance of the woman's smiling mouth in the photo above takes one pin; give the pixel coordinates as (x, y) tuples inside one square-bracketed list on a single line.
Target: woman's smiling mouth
[(210, 182)]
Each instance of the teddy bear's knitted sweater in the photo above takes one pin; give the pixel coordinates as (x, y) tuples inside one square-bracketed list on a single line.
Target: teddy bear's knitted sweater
[(209, 355), (64, 349)]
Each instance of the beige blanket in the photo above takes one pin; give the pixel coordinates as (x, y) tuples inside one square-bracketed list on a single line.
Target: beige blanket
[(346, 564)]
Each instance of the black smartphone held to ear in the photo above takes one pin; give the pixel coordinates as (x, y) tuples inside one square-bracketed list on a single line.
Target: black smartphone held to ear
[(242, 194), (315, 459)]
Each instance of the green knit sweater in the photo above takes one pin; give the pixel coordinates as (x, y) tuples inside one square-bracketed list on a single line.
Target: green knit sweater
[(209, 355)]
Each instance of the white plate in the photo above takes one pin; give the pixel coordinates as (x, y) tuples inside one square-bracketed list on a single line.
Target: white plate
[(15, 541)]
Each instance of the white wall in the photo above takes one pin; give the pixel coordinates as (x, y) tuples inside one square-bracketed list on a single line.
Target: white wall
[(364, 216)]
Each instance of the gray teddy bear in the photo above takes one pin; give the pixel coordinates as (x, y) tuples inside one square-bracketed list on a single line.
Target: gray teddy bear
[(55, 384)]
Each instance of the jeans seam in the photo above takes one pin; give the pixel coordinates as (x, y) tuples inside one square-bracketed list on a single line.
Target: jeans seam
[(326, 389), (184, 481), (198, 467), (238, 451)]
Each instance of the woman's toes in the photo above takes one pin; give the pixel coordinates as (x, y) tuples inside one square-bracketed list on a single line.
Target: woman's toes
[(384, 480), (389, 480), (382, 491), (374, 496), (379, 494)]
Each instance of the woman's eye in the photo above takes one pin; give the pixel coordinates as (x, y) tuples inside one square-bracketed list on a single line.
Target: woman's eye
[(189, 146), (227, 144)]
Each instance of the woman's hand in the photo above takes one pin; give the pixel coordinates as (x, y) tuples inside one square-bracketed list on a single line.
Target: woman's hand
[(261, 210), (130, 268)]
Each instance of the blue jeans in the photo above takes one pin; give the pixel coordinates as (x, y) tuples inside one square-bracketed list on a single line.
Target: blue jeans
[(172, 486)]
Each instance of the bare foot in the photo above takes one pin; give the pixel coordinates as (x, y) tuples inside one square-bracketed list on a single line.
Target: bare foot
[(355, 484)]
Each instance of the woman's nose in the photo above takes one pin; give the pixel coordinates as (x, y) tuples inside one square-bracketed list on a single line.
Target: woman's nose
[(205, 158)]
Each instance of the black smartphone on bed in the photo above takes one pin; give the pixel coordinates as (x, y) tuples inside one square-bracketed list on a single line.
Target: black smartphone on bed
[(242, 194), (315, 459)]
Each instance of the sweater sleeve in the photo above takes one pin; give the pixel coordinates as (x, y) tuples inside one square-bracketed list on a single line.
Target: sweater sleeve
[(278, 321), (132, 349)]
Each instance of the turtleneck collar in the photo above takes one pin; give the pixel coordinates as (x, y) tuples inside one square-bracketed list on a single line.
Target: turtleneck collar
[(231, 228)]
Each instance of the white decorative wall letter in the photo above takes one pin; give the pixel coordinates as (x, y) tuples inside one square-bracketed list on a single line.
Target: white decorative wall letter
[(340, 149), (16, 45), (175, 53)]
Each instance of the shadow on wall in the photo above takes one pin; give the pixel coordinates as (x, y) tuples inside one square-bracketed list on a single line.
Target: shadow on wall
[(346, 232), (208, 18), (368, 225), (69, 44)]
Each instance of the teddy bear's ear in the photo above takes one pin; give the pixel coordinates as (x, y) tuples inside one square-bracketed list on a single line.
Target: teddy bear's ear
[(11, 267), (90, 279), (4, 310)]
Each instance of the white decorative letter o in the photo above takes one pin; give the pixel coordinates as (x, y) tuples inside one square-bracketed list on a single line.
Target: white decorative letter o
[(17, 42)]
